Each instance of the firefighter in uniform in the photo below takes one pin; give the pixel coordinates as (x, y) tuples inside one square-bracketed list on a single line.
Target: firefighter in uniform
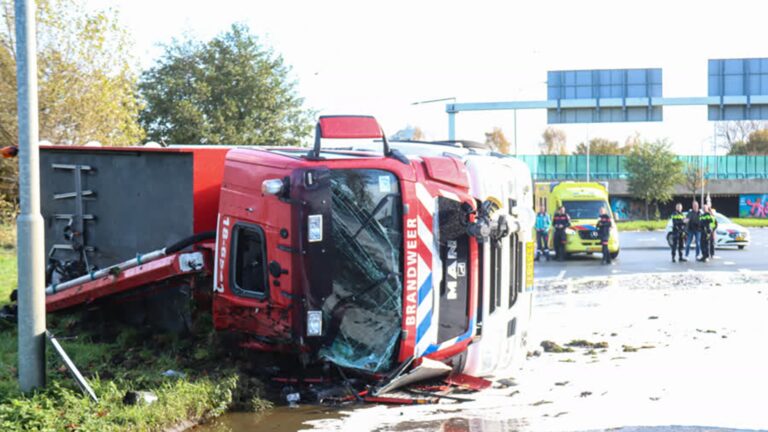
[(678, 232), (560, 221), (706, 221), (604, 233)]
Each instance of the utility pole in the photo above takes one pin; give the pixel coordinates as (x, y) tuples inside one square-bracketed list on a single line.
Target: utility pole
[(31, 277)]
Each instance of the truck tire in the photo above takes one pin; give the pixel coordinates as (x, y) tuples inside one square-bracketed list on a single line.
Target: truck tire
[(614, 255), (741, 247), (670, 240)]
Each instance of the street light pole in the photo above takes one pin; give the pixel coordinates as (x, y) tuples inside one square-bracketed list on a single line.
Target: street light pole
[(31, 275)]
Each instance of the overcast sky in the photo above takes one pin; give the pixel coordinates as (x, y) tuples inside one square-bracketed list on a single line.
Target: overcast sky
[(362, 57)]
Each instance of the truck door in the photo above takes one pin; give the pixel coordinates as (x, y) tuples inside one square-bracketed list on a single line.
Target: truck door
[(453, 243), (241, 291)]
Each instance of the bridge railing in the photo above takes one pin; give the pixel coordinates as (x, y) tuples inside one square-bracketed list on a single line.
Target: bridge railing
[(604, 167)]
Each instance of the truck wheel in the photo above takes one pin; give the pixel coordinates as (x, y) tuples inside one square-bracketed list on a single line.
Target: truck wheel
[(741, 247), (670, 239), (614, 255)]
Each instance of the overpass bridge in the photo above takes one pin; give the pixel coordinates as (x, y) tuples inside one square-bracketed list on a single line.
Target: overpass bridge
[(729, 179)]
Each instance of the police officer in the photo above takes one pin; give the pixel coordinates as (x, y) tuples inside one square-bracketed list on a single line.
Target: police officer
[(604, 232), (678, 232), (707, 221), (543, 223), (713, 230), (560, 221)]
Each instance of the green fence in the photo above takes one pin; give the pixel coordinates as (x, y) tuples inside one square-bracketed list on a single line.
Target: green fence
[(544, 167)]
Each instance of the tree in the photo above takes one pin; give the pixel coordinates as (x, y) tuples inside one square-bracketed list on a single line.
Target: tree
[(601, 146), (497, 140), (553, 142), (653, 171), (695, 178), (736, 133), (86, 83), (229, 90), (87, 87), (409, 133), (756, 144)]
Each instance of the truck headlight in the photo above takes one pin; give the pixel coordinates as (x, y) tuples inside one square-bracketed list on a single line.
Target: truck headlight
[(569, 231), (314, 323)]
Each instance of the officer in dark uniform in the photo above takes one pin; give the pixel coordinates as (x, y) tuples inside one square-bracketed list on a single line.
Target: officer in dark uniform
[(678, 232), (604, 233), (560, 221), (707, 222)]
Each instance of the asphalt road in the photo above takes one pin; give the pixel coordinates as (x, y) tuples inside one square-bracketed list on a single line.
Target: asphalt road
[(647, 252)]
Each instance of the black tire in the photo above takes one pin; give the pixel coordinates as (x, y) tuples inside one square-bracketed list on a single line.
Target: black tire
[(614, 255), (670, 239), (741, 247)]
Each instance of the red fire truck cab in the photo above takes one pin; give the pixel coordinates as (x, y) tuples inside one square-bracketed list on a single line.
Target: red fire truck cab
[(356, 258)]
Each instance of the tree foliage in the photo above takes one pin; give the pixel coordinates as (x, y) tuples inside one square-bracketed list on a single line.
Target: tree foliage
[(87, 87), (601, 146), (86, 84), (653, 171), (229, 90), (553, 142), (497, 140), (736, 133), (756, 144), (694, 178)]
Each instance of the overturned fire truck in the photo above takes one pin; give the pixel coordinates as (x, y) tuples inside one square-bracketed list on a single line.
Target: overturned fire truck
[(358, 252)]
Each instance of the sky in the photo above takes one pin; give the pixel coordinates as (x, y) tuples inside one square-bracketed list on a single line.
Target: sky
[(378, 58)]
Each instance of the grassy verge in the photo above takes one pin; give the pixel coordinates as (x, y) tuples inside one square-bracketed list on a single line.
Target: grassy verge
[(658, 225), (116, 360), (641, 225), (751, 223)]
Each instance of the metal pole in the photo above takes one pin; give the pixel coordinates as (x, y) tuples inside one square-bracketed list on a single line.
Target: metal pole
[(588, 155), (31, 276), (515, 117), (701, 174), (451, 125)]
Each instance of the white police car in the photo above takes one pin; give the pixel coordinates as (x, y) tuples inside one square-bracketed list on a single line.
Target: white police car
[(728, 233)]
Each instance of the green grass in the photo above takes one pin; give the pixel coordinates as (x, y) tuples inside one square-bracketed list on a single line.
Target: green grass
[(751, 223), (658, 225), (116, 360), (641, 225)]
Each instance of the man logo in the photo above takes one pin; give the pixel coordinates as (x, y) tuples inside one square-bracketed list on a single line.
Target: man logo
[(594, 234), (461, 269)]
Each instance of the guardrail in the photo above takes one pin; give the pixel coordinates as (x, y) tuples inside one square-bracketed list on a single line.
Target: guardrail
[(602, 167)]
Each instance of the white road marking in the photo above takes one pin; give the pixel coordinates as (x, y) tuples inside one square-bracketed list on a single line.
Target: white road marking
[(729, 263), (560, 275)]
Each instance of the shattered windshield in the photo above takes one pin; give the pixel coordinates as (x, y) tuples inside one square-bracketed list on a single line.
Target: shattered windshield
[(364, 313)]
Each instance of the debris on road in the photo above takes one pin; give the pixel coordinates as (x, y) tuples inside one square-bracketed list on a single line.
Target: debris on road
[(551, 347)]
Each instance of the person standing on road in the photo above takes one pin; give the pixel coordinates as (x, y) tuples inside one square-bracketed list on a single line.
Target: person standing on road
[(706, 222), (678, 232), (712, 231), (694, 229), (604, 233), (560, 221), (543, 223)]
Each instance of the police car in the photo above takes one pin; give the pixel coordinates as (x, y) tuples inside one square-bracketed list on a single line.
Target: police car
[(728, 233)]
